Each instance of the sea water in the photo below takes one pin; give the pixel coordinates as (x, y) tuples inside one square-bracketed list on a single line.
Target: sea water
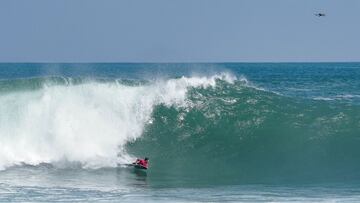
[(248, 132)]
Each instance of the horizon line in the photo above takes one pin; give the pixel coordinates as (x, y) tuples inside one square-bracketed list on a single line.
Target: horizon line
[(178, 62)]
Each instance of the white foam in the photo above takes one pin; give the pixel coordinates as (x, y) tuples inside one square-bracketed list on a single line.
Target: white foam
[(323, 98), (87, 123), (347, 96)]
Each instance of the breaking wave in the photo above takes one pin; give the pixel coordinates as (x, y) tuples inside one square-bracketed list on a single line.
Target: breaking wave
[(217, 127)]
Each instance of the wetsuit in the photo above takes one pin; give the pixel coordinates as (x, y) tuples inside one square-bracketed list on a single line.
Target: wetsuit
[(142, 162)]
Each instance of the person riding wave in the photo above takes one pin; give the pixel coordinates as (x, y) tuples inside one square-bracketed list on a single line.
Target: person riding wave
[(142, 162)]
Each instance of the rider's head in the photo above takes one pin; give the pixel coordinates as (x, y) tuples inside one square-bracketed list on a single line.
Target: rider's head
[(146, 158)]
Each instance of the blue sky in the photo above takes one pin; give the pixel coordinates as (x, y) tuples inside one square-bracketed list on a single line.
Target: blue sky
[(179, 30)]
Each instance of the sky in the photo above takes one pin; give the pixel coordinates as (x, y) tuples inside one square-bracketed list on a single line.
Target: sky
[(179, 31)]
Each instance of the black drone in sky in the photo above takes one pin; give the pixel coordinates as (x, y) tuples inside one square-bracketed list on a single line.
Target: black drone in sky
[(320, 14)]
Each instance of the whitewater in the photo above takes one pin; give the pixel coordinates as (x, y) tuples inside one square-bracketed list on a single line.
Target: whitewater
[(88, 123), (214, 132)]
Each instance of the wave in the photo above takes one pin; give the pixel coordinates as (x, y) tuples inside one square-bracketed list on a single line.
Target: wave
[(218, 127), (236, 133), (65, 120)]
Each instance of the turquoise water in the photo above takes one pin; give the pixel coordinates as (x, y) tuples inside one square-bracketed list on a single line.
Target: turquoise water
[(214, 132)]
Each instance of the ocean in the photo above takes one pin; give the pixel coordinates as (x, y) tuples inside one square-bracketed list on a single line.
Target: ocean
[(214, 132)]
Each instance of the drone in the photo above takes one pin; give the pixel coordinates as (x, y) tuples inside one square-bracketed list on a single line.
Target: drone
[(320, 14)]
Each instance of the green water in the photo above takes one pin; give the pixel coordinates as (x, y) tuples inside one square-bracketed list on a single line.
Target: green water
[(213, 132)]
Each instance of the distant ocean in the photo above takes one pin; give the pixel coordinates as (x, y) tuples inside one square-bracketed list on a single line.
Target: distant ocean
[(247, 132)]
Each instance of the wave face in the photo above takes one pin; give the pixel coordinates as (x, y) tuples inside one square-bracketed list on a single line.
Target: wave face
[(237, 134), (214, 128)]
